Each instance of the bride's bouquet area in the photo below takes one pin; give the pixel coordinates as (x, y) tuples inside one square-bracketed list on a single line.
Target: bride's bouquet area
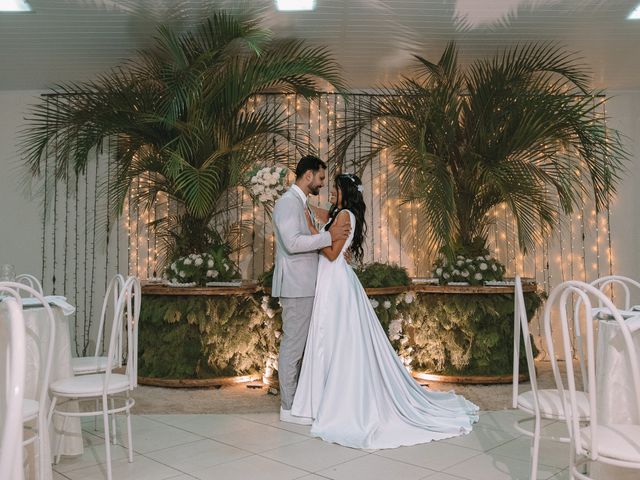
[(268, 183)]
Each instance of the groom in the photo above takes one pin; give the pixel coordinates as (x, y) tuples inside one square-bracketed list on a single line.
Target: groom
[(294, 274)]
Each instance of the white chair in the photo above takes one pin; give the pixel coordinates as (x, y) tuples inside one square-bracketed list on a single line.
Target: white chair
[(98, 363), (107, 387), (14, 363), (30, 281), (35, 409), (613, 281), (539, 403), (617, 445)]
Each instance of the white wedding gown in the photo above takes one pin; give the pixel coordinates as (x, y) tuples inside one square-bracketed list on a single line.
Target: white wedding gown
[(352, 383)]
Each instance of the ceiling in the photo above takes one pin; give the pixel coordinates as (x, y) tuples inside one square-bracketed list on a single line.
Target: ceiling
[(71, 40)]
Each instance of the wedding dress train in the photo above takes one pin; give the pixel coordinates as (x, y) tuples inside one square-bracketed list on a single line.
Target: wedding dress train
[(352, 383)]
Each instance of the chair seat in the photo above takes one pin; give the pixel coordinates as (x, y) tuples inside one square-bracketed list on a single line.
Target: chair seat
[(619, 442), (89, 385), (550, 403), (84, 365), (30, 409)]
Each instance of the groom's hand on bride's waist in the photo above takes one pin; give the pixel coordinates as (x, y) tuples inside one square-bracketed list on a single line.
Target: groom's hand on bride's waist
[(339, 231)]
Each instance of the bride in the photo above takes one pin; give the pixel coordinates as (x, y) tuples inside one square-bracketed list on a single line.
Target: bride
[(352, 384)]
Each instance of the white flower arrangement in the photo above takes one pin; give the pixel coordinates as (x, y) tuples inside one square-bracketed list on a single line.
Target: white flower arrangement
[(200, 269), (268, 183), (463, 270)]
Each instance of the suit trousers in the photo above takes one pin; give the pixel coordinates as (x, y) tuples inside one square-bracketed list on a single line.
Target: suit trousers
[(296, 316)]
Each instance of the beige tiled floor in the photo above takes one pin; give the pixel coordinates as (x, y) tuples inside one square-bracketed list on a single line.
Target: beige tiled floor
[(181, 447)]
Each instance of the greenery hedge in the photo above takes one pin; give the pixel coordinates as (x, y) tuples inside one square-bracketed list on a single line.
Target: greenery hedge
[(203, 337)]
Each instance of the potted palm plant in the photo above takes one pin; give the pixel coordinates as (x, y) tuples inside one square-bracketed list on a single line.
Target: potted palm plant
[(521, 130), (183, 120), (518, 129)]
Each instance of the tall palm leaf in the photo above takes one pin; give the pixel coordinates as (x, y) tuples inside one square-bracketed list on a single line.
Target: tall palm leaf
[(519, 129), (181, 116)]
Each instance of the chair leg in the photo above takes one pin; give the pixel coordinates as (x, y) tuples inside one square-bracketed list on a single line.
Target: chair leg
[(95, 419), (59, 443), (107, 440), (42, 460), (113, 421), (535, 449), (129, 436)]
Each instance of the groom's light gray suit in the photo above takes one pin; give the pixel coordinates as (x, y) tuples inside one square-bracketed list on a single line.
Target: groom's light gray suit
[(294, 281)]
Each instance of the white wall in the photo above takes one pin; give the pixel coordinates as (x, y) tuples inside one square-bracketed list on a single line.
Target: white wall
[(20, 217)]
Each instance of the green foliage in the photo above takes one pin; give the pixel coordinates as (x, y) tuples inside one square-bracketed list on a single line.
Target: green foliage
[(266, 278), (377, 275), (200, 337), (461, 334), (520, 129), (182, 118)]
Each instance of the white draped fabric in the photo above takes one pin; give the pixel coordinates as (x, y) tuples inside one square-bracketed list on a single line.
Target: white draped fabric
[(616, 402), (352, 382), (36, 330)]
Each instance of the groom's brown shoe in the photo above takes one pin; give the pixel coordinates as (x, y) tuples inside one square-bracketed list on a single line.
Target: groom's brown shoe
[(285, 416)]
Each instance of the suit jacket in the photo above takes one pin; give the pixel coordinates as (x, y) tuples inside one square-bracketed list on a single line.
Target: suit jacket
[(296, 265)]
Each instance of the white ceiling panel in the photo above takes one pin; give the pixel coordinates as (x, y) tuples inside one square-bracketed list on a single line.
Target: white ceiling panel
[(71, 40)]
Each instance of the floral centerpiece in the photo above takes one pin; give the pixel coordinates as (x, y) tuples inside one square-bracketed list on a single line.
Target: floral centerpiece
[(202, 269), (468, 270), (268, 183)]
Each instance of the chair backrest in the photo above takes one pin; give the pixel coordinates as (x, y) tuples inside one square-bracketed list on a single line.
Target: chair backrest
[(30, 281), (46, 358), (561, 298), (14, 363), (521, 329), (612, 281), (110, 298), (127, 309)]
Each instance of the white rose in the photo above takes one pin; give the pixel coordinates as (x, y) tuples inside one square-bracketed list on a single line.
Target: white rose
[(465, 273), (210, 263), (487, 257), (409, 297), (478, 276), (209, 273), (387, 304), (438, 271), (374, 303), (459, 263), (182, 274), (445, 275), (174, 280), (198, 262), (174, 267), (483, 266), (456, 272), (494, 268), (468, 260), (214, 274), (460, 257), (480, 258), (187, 261), (192, 256), (254, 179)]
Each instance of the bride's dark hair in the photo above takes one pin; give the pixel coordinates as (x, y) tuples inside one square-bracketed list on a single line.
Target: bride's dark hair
[(350, 187)]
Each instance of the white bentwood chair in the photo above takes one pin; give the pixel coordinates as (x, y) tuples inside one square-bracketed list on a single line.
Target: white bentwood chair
[(107, 387), (97, 363), (539, 403), (30, 281), (11, 436), (35, 409), (612, 444), (615, 282)]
